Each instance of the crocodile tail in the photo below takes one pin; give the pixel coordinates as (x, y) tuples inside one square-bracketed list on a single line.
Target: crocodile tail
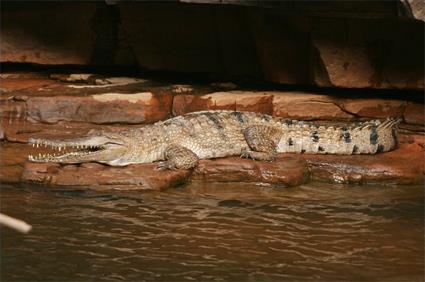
[(376, 136), (365, 138)]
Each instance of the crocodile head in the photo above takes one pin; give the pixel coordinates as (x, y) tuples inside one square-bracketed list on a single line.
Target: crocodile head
[(107, 148)]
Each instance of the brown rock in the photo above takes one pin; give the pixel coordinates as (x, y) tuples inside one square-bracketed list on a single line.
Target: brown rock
[(96, 175), (190, 42), (12, 157), (413, 139), (361, 53), (374, 108), (285, 171), (21, 131), (10, 174), (307, 106), (282, 44), (402, 166), (143, 107), (28, 37), (415, 113), (232, 100), (414, 9), (13, 153), (22, 74), (13, 84), (11, 111)]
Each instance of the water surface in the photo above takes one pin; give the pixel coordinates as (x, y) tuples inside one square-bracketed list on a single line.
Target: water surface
[(216, 232)]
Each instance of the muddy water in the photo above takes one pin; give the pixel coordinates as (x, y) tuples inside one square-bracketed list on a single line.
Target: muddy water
[(226, 232)]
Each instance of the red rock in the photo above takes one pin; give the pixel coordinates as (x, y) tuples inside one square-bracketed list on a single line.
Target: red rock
[(96, 175), (21, 131), (233, 100), (190, 44), (13, 154), (282, 44), (307, 106), (362, 53), (24, 83), (28, 37), (10, 174), (12, 158), (415, 9), (402, 166), (413, 139), (22, 74), (415, 113), (11, 111), (374, 108), (143, 107), (285, 171)]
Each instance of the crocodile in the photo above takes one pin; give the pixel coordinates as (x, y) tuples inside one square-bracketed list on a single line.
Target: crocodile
[(179, 142)]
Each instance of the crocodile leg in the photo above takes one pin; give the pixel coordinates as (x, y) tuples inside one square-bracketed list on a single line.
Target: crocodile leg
[(178, 157), (262, 142)]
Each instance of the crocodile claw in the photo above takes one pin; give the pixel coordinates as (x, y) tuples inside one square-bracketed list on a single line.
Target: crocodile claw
[(165, 166), (246, 154)]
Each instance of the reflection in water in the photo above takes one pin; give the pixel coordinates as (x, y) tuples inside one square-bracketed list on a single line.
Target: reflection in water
[(223, 232)]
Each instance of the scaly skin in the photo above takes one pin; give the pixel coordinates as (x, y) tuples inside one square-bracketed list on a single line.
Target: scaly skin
[(182, 140)]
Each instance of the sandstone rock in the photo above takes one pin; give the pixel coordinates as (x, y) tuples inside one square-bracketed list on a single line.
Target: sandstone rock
[(402, 166), (74, 77), (233, 100), (143, 107), (28, 37), (11, 111), (13, 154), (285, 171), (24, 83), (374, 108), (102, 82), (12, 157), (189, 42), (297, 105), (414, 113), (414, 9), (20, 131), (96, 175), (413, 139), (10, 174), (307, 106), (282, 44), (364, 53), (22, 74)]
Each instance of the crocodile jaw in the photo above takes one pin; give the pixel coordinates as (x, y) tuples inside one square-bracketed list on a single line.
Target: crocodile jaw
[(90, 149)]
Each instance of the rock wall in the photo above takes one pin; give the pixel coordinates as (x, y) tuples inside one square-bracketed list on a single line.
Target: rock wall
[(347, 44)]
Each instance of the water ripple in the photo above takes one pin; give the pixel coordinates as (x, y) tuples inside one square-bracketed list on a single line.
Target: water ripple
[(226, 232)]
